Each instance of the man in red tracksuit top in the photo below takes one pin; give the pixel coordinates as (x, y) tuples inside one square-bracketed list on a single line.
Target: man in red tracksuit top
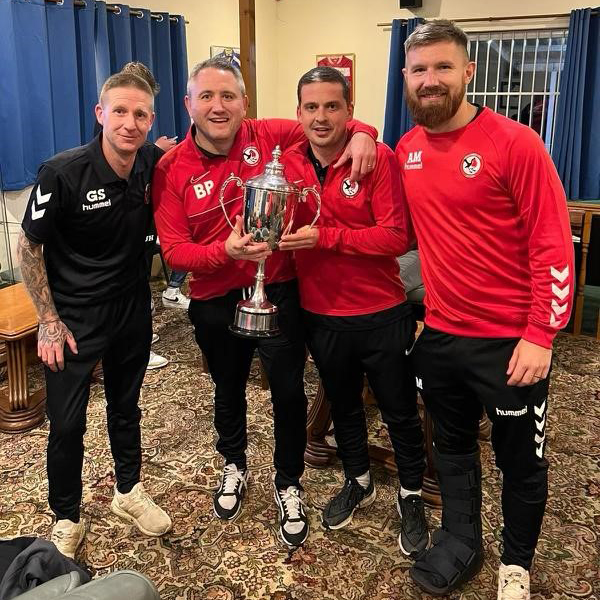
[(354, 302), (497, 258), (195, 237)]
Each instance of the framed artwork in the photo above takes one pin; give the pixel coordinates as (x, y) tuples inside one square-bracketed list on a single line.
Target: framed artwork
[(344, 63), (229, 53)]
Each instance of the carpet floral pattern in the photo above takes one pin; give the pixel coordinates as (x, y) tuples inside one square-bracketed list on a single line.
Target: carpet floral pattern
[(207, 559)]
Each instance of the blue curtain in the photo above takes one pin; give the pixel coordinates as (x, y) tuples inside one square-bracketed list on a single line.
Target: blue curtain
[(55, 58), (141, 48), (85, 20), (164, 104), (397, 118), (180, 74), (576, 151), (64, 80), (101, 45), (26, 123), (119, 37)]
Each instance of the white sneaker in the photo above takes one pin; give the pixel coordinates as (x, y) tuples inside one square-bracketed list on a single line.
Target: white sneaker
[(173, 298), (293, 521), (67, 536), (138, 508), (513, 583), (227, 500), (156, 361), (155, 338)]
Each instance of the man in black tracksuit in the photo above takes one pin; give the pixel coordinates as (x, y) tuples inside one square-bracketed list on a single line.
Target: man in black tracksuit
[(82, 257)]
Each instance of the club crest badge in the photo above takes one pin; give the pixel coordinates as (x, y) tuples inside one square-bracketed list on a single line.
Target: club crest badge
[(251, 155), (471, 165), (350, 188)]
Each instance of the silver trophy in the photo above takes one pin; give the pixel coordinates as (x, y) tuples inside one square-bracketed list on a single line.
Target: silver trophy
[(270, 203)]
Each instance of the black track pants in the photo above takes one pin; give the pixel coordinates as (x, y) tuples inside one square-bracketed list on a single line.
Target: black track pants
[(458, 378), (118, 332), (229, 358)]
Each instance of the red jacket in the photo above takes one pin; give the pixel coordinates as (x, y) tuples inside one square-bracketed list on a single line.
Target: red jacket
[(190, 222), (493, 229), (363, 227)]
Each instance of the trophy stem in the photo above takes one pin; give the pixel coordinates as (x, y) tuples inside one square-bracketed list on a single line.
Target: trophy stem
[(259, 298), (256, 317)]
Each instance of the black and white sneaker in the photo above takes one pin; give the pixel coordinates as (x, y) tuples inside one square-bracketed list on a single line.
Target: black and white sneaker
[(414, 535), (341, 507), (227, 501), (293, 522)]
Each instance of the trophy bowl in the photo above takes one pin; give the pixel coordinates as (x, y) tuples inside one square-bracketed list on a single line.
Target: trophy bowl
[(269, 208)]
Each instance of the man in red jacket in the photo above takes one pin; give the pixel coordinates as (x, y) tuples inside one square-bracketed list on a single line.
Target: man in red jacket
[(354, 302), (497, 258), (195, 237)]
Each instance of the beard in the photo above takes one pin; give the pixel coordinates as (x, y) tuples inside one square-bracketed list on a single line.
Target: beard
[(437, 113)]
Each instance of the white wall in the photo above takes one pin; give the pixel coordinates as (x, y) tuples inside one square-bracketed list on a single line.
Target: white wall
[(306, 28)]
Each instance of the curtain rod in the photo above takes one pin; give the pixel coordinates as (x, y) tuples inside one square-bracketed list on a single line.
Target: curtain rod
[(490, 19), (117, 9)]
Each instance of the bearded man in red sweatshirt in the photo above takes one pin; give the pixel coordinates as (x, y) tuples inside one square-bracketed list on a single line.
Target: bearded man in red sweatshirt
[(493, 231)]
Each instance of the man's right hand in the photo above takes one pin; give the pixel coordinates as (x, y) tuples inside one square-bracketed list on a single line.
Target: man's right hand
[(241, 247), (51, 342)]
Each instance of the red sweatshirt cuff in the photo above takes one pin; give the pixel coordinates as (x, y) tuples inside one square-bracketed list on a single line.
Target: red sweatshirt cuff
[(542, 336), (328, 238)]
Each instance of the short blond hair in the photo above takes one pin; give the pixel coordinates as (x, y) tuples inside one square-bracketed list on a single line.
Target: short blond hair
[(125, 80)]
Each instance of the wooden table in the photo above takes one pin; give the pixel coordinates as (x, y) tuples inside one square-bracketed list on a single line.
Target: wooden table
[(20, 410), (589, 210)]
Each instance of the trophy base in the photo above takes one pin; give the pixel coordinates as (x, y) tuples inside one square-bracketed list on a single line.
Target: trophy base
[(255, 321)]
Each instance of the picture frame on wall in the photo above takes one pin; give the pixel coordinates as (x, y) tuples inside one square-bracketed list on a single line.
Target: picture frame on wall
[(344, 63), (229, 53)]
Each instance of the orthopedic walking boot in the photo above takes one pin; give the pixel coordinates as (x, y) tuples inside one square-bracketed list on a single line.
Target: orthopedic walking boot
[(456, 554)]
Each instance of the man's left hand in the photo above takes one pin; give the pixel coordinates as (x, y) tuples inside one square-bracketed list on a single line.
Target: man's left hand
[(528, 364), (305, 237), (362, 150)]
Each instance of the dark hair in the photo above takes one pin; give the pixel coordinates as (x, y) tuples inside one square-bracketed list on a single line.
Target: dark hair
[(221, 64), (141, 70), (437, 30), (324, 74), (121, 80)]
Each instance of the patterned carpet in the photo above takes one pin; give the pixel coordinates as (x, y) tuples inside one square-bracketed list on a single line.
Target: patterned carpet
[(204, 558)]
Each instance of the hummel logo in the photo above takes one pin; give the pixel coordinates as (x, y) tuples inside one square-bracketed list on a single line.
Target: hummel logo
[(560, 294), (39, 199), (560, 275), (419, 381), (539, 436), (511, 413), (540, 411)]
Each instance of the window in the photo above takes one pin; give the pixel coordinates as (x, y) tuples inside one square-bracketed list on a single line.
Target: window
[(518, 75)]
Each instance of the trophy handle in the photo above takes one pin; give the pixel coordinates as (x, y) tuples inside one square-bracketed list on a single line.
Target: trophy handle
[(240, 183), (312, 190)]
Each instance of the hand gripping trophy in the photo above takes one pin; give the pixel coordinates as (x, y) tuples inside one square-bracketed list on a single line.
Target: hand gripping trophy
[(270, 203)]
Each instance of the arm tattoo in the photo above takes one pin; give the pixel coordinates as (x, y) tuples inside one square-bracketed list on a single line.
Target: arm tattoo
[(35, 278)]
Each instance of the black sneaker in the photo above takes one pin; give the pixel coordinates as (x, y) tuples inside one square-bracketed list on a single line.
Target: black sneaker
[(341, 507), (414, 536), (293, 522), (227, 501)]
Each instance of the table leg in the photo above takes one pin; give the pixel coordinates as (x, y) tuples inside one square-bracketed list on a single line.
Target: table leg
[(318, 452), (20, 410)]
